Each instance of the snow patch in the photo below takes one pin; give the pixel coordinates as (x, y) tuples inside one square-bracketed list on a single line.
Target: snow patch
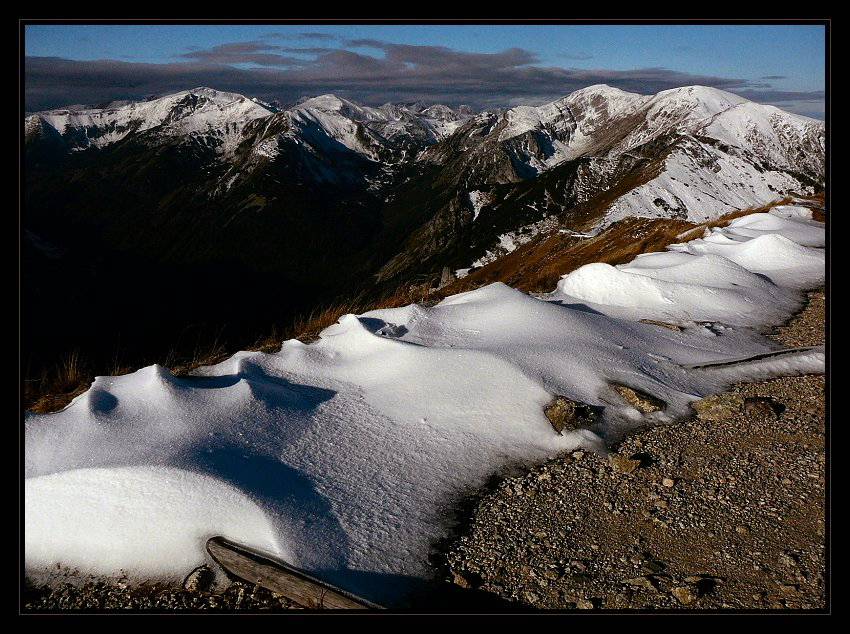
[(477, 199), (512, 240)]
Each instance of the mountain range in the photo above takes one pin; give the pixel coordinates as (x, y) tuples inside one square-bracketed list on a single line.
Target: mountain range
[(268, 209)]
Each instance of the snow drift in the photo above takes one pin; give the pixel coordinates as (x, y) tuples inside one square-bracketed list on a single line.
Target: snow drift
[(346, 456)]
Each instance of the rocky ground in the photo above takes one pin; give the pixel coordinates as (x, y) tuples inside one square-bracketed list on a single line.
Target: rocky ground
[(101, 596), (725, 511)]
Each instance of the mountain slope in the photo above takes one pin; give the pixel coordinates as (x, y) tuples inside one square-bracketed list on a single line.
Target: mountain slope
[(601, 154), (327, 197)]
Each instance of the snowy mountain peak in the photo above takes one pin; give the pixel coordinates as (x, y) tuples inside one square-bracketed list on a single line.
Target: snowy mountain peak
[(702, 94), (603, 100), (325, 102), (217, 96), (187, 112), (602, 90), (387, 133), (580, 109), (440, 112), (337, 106), (693, 102), (601, 118)]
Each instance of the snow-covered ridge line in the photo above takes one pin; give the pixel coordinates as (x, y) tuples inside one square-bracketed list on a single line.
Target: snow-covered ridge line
[(386, 134), (601, 118), (224, 114), (571, 125), (339, 456), (183, 113)]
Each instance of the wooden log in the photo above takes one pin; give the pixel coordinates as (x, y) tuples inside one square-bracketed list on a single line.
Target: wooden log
[(280, 577)]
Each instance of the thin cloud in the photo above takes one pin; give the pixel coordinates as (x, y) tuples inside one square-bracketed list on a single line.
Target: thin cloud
[(277, 35), (257, 52), (319, 36), (243, 47), (364, 43), (576, 56), (775, 77), (434, 57), (771, 96), (253, 52), (308, 50)]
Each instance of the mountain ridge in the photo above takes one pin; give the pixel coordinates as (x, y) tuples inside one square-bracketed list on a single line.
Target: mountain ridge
[(330, 197)]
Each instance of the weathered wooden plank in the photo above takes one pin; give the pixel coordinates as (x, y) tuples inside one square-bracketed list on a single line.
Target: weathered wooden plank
[(280, 577)]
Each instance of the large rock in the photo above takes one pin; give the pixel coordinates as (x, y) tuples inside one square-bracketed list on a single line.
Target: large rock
[(718, 407), (567, 414), (663, 324), (639, 400), (685, 594), (622, 464), (721, 406)]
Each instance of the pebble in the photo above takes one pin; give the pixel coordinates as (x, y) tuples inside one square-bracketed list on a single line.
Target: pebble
[(685, 594), (643, 582), (622, 464), (200, 579)]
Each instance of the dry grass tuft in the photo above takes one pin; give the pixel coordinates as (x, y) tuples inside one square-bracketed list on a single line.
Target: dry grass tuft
[(306, 328), (205, 352), (55, 388)]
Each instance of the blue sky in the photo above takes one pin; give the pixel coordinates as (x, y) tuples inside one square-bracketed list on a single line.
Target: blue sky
[(483, 65)]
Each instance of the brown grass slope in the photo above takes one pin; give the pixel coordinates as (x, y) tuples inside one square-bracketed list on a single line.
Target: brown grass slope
[(538, 265)]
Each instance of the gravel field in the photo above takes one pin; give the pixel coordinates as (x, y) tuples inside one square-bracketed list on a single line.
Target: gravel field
[(722, 512)]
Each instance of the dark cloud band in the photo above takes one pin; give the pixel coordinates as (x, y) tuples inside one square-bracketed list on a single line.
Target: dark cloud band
[(403, 73)]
